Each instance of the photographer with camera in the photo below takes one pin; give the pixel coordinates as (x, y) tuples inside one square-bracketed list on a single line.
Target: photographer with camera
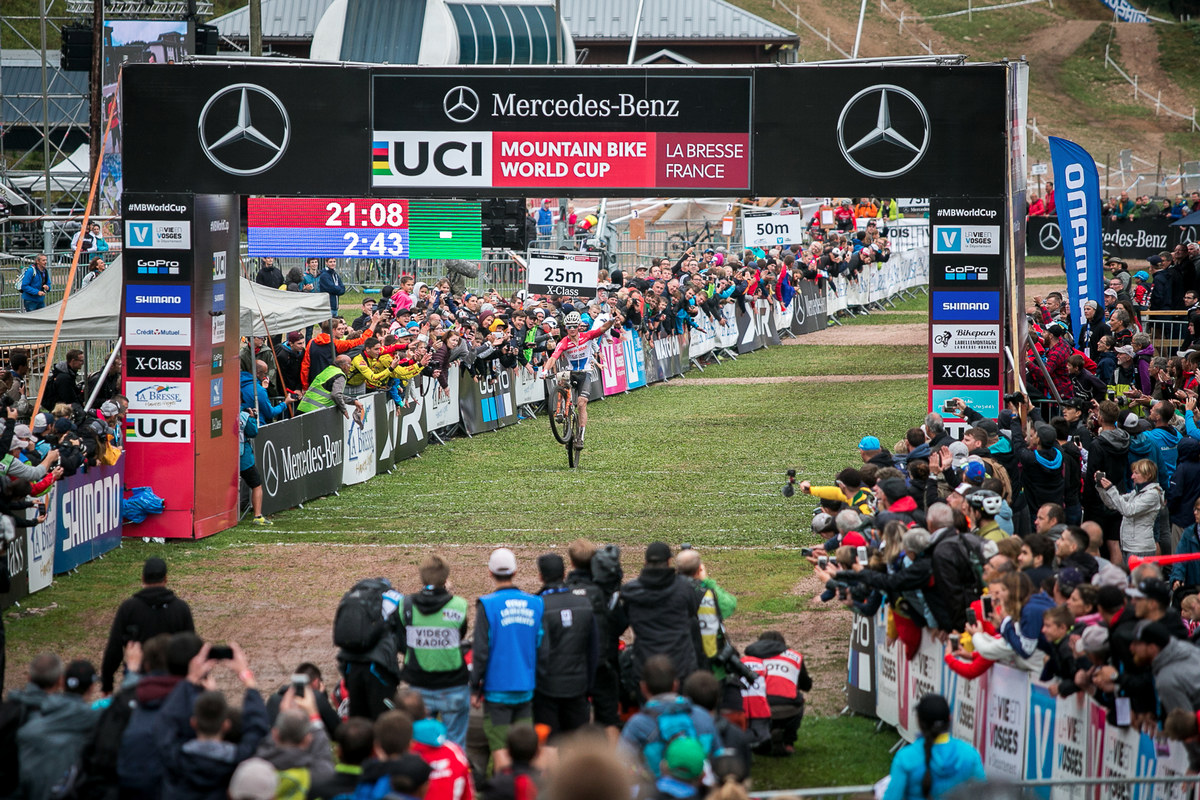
[(716, 606)]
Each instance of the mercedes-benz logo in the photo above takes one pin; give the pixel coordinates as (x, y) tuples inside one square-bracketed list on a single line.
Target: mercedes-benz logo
[(1188, 234), (244, 129), (884, 139), (801, 312), (461, 104), (270, 468), (1050, 237)]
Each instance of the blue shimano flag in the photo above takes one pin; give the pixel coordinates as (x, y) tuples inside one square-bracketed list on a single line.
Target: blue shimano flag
[(1077, 201)]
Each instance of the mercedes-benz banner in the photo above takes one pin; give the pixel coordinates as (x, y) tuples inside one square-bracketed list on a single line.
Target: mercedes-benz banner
[(352, 131)]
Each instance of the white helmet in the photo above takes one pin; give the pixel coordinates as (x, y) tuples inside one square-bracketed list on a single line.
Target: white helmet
[(573, 318)]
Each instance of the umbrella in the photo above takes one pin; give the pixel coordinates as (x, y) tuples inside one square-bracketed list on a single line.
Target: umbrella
[(1191, 219)]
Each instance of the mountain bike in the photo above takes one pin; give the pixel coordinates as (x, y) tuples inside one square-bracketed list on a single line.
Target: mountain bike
[(564, 419), (707, 236)]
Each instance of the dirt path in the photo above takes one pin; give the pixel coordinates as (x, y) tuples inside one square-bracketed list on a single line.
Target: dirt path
[(802, 379), (1139, 58), (1047, 48), (859, 335)]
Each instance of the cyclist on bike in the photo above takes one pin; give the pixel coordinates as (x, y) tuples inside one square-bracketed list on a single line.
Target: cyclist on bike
[(577, 346)]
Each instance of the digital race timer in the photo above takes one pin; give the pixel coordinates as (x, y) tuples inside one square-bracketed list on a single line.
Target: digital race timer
[(363, 228)]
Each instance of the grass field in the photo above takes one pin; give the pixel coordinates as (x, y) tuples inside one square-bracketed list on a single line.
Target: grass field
[(684, 461)]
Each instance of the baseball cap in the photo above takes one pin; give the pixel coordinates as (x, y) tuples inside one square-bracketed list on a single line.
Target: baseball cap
[(1150, 632), (893, 488), (41, 422), (989, 427), (1057, 328), (1126, 350), (869, 443), (1155, 260), (1093, 639), (975, 472), (154, 570), (1153, 589), (254, 779), (1141, 274), (502, 562), (79, 676), (821, 522), (295, 336), (958, 454), (658, 552), (61, 425), (854, 539), (423, 338), (22, 436), (1112, 292), (1092, 304), (1129, 420), (685, 758), (109, 409)]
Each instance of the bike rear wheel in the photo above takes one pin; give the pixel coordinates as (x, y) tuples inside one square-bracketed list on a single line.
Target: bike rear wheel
[(562, 430)]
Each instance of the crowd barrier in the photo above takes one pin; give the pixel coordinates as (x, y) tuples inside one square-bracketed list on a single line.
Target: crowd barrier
[(1020, 730), (315, 454), (83, 522)]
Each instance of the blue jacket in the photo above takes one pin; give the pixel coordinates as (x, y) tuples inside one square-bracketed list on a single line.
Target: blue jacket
[(1186, 572), (331, 284), (1026, 636), (1160, 446), (954, 762), (196, 770), (508, 631), (1185, 483), (32, 281), (247, 430), (642, 734), (266, 412)]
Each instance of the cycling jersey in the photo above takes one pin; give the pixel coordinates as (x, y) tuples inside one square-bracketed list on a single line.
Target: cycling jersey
[(579, 352)]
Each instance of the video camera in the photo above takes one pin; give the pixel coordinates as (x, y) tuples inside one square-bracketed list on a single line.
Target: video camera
[(789, 488)]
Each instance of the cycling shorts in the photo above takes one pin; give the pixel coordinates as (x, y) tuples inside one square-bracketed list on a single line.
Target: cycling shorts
[(581, 381)]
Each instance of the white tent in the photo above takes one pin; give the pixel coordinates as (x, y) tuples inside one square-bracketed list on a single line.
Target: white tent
[(94, 312), (68, 175), (284, 311)]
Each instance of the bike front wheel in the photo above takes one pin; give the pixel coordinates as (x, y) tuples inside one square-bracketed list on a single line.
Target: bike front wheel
[(562, 430)]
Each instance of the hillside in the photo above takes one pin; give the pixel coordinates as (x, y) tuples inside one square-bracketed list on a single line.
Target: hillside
[(1071, 94)]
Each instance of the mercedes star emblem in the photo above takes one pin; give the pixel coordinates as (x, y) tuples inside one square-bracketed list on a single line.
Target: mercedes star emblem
[(1050, 237), (244, 129), (1187, 235), (884, 139), (270, 468), (461, 104)]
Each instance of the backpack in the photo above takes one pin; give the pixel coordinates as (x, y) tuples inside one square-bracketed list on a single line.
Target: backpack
[(359, 623), (606, 568), (968, 549), (672, 720)]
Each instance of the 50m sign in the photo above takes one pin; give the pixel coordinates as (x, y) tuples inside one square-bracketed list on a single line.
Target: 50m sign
[(563, 273)]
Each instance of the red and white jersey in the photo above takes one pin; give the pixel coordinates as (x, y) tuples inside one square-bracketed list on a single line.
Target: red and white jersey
[(450, 778), (754, 699), (579, 352), (783, 674)]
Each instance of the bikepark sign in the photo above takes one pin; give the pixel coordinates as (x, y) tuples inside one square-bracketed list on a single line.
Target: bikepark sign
[(362, 131)]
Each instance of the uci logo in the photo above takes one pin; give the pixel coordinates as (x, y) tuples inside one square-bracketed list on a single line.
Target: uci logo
[(432, 159)]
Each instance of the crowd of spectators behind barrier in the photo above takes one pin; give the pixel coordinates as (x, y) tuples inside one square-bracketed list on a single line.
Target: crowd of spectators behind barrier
[(528, 693)]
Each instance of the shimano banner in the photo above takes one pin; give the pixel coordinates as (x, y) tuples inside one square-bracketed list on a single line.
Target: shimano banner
[(1077, 196), (87, 515)]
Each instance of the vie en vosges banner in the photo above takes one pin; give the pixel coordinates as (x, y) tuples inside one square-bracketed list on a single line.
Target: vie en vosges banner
[(1077, 201)]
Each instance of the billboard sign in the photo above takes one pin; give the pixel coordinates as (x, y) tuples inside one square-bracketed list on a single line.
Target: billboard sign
[(563, 273)]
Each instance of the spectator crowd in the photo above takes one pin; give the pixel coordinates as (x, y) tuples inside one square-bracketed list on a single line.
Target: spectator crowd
[(513, 694)]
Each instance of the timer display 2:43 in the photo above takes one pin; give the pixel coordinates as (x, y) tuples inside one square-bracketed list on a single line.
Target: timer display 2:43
[(381, 245), (352, 214)]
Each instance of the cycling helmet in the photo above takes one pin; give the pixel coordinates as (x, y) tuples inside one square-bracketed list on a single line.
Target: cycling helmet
[(573, 318), (986, 500)]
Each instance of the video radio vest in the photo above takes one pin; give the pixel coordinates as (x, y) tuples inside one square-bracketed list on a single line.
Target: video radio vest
[(433, 639)]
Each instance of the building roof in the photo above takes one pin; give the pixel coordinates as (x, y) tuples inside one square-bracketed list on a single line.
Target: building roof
[(585, 19), (589, 20), (281, 19), (21, 91)]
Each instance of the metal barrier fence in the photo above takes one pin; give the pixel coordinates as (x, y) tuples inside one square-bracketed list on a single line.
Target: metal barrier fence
[(13, 267), (1167, 330)]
